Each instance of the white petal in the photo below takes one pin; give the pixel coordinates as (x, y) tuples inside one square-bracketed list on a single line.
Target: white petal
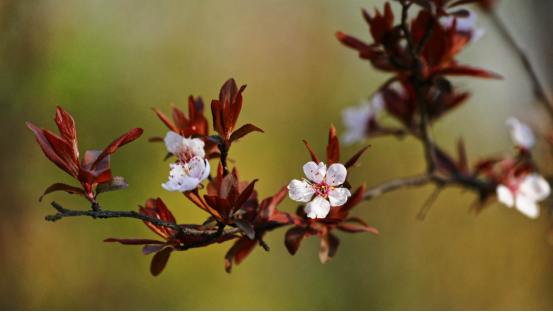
[(317, 208), (189, 184), (527, 206), (521, 134), (314, 172), (207, 170), (174, 142), (196, 147), (336, 174), (196, 167), (505, 196), (534, 187), (300, 191), (377, 104), (339, 196)]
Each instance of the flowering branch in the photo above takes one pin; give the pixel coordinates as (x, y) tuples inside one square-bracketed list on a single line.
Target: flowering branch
[(209, 234)]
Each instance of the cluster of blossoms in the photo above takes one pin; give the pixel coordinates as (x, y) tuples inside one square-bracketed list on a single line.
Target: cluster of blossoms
[(419, 53)]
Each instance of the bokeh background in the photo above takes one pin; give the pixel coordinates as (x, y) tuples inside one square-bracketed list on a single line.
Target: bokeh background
[(108, 62)]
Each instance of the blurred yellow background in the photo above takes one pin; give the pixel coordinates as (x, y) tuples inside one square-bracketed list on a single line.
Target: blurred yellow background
[(108, 62)]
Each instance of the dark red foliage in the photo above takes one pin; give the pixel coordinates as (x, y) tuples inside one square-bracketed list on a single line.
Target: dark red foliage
[(258, 215), (195, 124), (172, 239), (338, 218), (333, 151), (225, 113), (93, 172)]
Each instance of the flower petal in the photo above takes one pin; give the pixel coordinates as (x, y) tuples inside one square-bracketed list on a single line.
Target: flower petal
[(338, 196), (300, 191), (527, 206), (317, 208), (534, 187), (314, 172), (521, 134), (505, 196), (336, 175)]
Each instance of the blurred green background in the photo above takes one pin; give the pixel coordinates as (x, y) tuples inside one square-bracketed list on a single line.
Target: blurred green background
[(108, 62)]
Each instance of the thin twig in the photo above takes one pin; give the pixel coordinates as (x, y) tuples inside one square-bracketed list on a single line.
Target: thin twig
[(539, 88)]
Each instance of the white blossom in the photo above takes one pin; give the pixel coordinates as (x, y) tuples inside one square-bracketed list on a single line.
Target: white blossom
[(185, 176), (356, 119), (321, 190), (524, 193), (464, 24), (521, 134), (184, 148)]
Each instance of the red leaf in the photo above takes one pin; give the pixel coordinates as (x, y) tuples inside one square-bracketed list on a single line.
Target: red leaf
[(65, 188), (122, 140), (354, 199), (268, 206), (241, 248), (101, 174), (166, 120), (49, 150), (68, 131), (356, 229), (164, 212), (459, 70), (229, 182), (329, 247), (244, 195), (333, 152), (462, 162), (293, 239), (313, 156), (150, 249), (160, 261), (245, 129), (355, 157), (133, 241), (181, 122), (216, 112)]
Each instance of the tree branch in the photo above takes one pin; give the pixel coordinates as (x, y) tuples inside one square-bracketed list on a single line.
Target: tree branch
[(418, 84), (539, 88)]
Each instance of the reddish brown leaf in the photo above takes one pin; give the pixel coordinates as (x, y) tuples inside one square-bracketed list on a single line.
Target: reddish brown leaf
[(49, 150), (68, 131), (122, 140), (246, 193), (229, 182), (355, 198), (459, 70), (329, 247), (164, 212), (166, 120), (246, 227), (355, 157), (160, 261), (462, 155), (115, 184), (245, 129), (356, 229), (180, 119), (293, 239), (333, 152), (65, 188), (133, 241), (241, 248), (150, 249), (217, 112), (313, 156)]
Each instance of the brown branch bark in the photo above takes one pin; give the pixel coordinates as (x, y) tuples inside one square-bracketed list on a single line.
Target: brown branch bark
[(418, 84), (539, 88)]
